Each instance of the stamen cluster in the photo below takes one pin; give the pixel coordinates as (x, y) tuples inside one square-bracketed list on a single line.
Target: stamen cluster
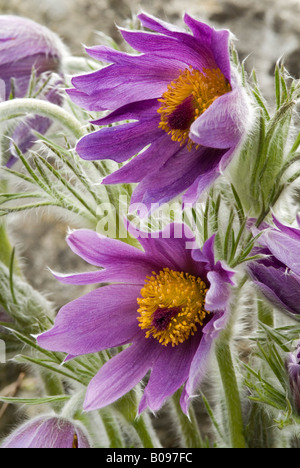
[(188, 97), (172, 305)]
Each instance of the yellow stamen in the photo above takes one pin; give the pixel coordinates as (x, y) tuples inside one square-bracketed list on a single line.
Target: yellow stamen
[(75, 441), (188, 97), (171, 306)]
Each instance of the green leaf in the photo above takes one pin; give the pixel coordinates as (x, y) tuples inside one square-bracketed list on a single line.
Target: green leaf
[(35, 401)]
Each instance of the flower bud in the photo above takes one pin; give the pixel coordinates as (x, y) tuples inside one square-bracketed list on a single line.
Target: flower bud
[(26, 46), (293, 367), (48, 432)]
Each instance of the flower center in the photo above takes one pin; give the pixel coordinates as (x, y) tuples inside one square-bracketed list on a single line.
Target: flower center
[(171, 306), (188, 97)]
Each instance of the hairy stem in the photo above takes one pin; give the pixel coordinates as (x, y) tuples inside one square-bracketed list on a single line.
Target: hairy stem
[(18, 107)]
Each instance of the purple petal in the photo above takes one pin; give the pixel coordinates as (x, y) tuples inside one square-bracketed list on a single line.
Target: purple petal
[(140, 110), (221, 53), (142, 165), (177, 175), (218, 293), (23, 436), (85, 101), (200, 361), (134, 69), (158, 25), (107, 54), (281, 288), (47, 432), (186, 51), (121, 373), (122, 262), (113, 98), (101, 319), (206, 254), (222, 124), (201, 43), (285, 248), (118, 143), (169, 372), (168, 247), (139, 78), (290, 231), (217, 40), (16, 31)]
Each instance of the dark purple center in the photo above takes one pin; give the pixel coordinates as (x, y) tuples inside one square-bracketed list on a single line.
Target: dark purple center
[(182, 117), (163, 316)]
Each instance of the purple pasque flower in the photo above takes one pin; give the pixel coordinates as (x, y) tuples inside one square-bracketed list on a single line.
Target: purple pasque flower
[(293, 368), (184, 103), (48, 431), (169, 302), (277, 273), (24, 46)]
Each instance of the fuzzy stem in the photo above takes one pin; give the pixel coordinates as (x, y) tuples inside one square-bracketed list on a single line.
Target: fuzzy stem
[(5, 246), (17, 107), (53, 387), (265, 313), (127, 408), (234, 409), (112, 429), (189, 428), (145, 432)]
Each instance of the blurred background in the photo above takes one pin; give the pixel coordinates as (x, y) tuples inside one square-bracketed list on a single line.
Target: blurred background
[(265, 31)]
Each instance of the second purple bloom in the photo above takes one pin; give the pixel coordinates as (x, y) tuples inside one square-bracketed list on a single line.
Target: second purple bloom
[(277, 273), (169, 302), (187, 111)]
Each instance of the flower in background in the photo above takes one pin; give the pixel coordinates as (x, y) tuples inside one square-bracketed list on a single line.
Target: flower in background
[(168, 301), (187, 109), (48, 432), (24, 46), (277, 273), (293, 368)]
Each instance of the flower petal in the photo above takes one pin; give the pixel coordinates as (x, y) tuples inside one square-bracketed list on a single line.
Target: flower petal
[(101, 319), (201, 358), (161, 46), (118, 143), (142, 165), (222, 124), (121, 373), (289, 230), (217, 40), (168, 248), (139, 110), (218, 293), (285, 248), (122, 262), (281, 288), (176, 175), (169, 372)]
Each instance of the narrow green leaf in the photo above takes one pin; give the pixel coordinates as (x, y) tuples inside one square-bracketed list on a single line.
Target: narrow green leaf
[(34, 401)]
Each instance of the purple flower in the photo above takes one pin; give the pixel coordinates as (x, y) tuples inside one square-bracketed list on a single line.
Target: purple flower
[(48, 432), (25, 45), (181, 96), (168, 301), (293, 368), (277, 274)]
